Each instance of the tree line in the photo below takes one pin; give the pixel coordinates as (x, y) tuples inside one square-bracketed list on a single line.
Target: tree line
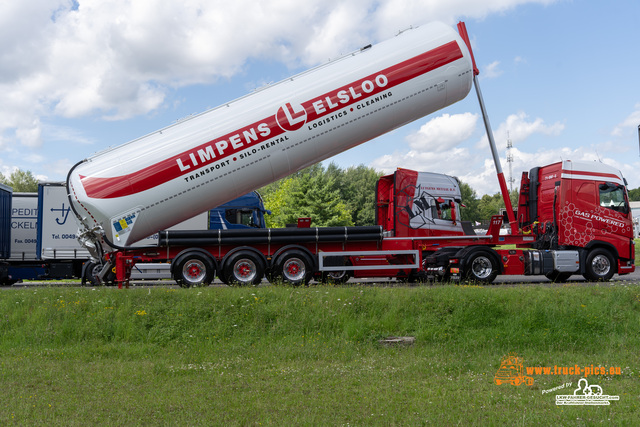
[(20, 181), (330, 196)]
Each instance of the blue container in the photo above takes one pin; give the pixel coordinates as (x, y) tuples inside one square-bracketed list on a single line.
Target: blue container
[(5, 221)]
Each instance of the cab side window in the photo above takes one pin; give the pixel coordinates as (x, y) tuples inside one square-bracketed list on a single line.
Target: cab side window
[(442, 209)]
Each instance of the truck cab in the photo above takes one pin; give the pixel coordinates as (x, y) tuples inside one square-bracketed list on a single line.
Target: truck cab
[(419, 204), (246, 211), (580, 206)]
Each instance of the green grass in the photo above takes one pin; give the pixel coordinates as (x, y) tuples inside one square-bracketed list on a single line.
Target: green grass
[(310, 356)]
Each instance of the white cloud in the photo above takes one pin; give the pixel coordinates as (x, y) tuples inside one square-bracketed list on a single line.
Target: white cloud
[(451, 162), (483, 179), (443, 132), (392, 15), (115, 59), (518, 127), (492, 71), (439, 146), (632, 121), (65, 134), (30, 135), (435, 146)]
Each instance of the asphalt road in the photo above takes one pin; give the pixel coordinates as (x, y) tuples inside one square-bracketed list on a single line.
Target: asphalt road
[(633, 278)]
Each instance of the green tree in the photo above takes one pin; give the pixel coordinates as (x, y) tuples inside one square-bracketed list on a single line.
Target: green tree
[(634, 195), (21, 181), (470, 200), (330, 196), (514, 195), (490, 205), (487, 205), (310, 193), (275, 186), (357, 188), (324, 202), (274, 199), (334, 196)]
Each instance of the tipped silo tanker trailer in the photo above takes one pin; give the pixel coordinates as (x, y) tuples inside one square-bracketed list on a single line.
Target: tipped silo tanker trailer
[(129, 192)]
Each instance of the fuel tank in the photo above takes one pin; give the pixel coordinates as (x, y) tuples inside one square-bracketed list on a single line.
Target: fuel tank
[(129, 192)]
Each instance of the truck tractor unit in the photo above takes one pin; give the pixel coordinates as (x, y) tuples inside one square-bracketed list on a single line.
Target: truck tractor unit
[(573, 218)]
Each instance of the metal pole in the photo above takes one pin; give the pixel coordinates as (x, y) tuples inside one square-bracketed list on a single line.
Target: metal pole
[(462, 29)]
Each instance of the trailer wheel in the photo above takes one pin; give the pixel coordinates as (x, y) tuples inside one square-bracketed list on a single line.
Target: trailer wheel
[(194, 269), (335, 277), (481, 267), (244, 268), (295, 268), (600, 265), (89, 271)]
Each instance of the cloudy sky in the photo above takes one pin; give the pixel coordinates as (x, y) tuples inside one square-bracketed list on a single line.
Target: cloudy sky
[(559, 77)]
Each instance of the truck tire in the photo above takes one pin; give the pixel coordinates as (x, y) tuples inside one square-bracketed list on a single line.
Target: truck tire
[(335, 277), (244, 268), (600, 265), (194, 269), (480, 266), (294, 268), (89, 272)]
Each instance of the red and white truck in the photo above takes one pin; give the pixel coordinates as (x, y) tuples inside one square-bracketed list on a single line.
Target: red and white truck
[(572, 218), (132, 191)]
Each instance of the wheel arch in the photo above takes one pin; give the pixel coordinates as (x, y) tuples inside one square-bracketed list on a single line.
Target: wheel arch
[(598, 244), (230, 254), (276, 257)]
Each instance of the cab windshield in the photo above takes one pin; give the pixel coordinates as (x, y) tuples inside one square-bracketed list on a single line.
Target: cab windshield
[(612, 196)]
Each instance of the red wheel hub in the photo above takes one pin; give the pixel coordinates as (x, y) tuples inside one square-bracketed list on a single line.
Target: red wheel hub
[(194, 271)]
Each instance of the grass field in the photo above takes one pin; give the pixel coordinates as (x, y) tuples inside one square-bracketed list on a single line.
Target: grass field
[(310, 356)]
